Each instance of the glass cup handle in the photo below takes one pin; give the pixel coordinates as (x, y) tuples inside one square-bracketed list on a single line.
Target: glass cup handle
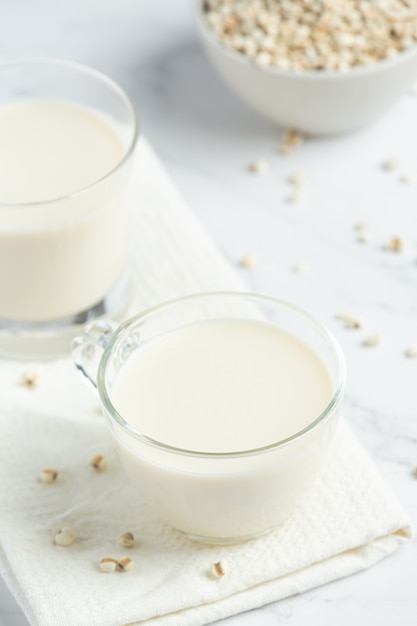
[(88, 347)]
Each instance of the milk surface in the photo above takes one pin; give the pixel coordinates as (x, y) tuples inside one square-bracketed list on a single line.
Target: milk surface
[(49, 149), (58, 258), (222, 386)]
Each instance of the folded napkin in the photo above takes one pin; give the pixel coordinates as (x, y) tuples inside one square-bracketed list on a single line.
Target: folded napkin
[(347, 522)]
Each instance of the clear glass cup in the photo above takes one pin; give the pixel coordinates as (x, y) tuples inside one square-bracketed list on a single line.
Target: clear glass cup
[(63, 260), (214, 497)]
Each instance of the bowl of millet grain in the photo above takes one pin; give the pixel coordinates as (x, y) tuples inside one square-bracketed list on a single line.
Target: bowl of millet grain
[(318, 66)]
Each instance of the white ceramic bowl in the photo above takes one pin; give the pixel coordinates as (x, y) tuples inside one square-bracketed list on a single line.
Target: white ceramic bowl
[(315, 102)]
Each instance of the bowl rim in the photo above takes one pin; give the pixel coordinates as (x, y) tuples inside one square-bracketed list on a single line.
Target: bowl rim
[(361, 71)]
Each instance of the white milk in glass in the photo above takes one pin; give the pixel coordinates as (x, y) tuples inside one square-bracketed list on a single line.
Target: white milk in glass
[(61, 248), (222, 386)]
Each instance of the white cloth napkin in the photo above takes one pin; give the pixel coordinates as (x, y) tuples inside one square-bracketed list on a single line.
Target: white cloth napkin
[(348, 521)]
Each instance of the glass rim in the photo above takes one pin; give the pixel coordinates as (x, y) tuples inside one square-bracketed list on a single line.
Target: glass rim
[(137, 434), (104, 79)]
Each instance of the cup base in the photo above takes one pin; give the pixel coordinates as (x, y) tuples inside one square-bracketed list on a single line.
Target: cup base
[(225, 541), (52, 339)]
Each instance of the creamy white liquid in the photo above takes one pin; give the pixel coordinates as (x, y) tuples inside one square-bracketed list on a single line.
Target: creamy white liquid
[(223, 386), (57, 258), (51, 149)]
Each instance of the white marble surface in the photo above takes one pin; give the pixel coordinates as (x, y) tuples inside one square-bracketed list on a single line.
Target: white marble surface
[(206, 139)]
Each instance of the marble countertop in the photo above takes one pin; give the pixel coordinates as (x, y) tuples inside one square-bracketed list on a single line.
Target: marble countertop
[(206, 139)]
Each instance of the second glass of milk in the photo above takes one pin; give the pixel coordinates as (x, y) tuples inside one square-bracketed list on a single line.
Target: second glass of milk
[(222, 408), (67, 136)]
